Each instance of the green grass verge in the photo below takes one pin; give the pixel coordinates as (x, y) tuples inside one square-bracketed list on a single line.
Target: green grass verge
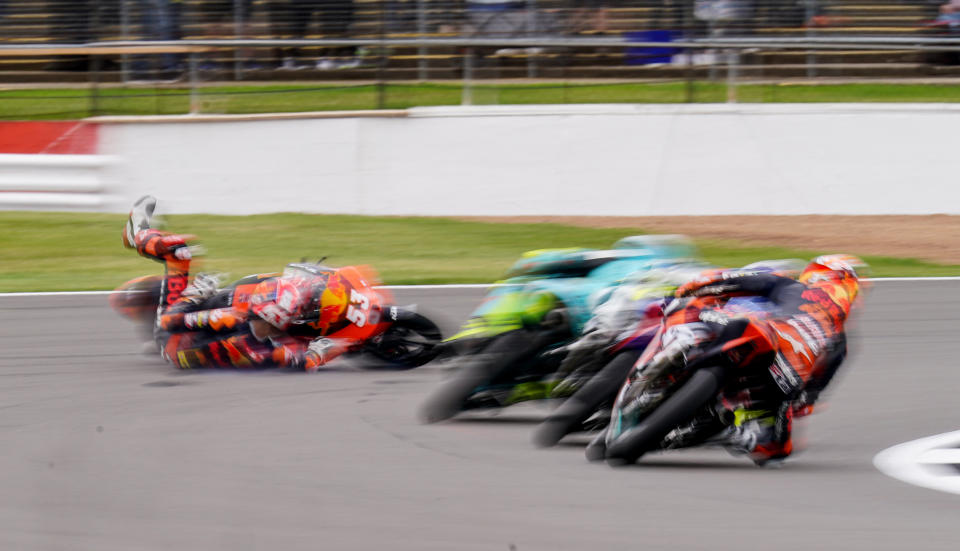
[(77, 103), (67, 251)]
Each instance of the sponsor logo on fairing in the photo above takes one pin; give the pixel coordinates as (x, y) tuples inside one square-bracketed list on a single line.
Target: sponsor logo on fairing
[(713, 316), (784, 376), (798, 347), (810, 332)]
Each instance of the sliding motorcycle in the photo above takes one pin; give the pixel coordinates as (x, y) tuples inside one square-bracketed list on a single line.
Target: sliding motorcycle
[(397, 336)]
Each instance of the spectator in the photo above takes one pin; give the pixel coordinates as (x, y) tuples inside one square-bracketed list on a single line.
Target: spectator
[(160, 20), (950, 15), (336, 18), (292, 18), (71, 23), (497, 18), (219, 18), (222, 19), (589, 16), (289, 20), (724, 17)]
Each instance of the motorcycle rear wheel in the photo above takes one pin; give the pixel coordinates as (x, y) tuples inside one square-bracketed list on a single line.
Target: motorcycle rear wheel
[(410, 342), (679, 408)]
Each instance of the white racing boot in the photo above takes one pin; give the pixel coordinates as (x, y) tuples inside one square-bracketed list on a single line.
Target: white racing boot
[(140, 217)]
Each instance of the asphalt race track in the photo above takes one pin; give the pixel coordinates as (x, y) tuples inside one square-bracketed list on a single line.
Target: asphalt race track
[(106, 449)]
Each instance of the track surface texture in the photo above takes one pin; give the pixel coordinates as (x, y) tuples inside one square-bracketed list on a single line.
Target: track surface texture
[(106, 449)]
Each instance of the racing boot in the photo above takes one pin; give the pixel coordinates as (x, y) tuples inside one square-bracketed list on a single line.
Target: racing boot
[(763, 435), (804, 404), (140, 217), (204, 285), (156, 244)]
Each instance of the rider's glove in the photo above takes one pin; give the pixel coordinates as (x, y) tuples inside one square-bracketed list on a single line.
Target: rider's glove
[(674, 306), (318, 353), (204, 286), (714, 285)]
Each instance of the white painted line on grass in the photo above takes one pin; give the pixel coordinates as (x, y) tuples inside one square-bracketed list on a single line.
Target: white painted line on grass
[(932, 462), (445, 286)]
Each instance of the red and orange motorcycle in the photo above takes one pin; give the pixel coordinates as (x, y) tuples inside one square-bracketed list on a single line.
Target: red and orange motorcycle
[(350, 305)]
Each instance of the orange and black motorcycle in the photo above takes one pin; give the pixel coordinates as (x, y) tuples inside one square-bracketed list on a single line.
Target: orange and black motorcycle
[(679, 392)]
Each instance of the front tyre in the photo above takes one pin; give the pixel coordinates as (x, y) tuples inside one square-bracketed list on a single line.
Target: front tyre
[(601, 388), (679, 408), (500, 355)]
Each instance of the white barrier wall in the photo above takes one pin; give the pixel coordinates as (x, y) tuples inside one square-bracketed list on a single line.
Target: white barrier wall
[(625, 160), (53, 182)]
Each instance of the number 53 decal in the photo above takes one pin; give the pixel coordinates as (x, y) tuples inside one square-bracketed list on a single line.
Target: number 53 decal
[(357, 310)]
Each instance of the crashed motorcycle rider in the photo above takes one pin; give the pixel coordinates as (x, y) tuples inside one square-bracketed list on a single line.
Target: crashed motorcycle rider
[(194, 329), (807, 345)]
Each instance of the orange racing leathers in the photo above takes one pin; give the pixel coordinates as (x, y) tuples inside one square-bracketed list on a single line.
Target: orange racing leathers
[(805, 345), (196, 331)]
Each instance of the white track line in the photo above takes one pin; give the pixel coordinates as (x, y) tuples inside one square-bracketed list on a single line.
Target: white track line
[(392, 287), (442, 286), (54, 294), (909, 462), (886, 279)]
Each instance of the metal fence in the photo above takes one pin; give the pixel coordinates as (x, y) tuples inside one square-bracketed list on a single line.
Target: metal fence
[(70, 21), (84, 21), (168, 56), (731, 74)]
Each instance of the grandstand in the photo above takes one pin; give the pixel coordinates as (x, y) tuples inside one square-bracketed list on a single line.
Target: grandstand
[(79, 21)]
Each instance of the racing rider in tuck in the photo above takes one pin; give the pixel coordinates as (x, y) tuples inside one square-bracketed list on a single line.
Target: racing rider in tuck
[(199, 326), (805, 341)]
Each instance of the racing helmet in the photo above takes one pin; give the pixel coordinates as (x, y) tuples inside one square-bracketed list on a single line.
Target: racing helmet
[(833, 267), (784, 267), (838, 275), (282, 301)]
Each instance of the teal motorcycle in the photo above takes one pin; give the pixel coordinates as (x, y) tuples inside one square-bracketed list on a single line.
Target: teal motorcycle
[(511, 346)]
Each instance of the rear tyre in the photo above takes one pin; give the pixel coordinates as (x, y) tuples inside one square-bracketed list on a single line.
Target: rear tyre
[(679, 408), (410, 342), (602, 387), (137, 299)]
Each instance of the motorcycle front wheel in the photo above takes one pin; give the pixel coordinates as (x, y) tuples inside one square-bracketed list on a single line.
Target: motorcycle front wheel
[(679, 408), (601, 388), (506, 351)]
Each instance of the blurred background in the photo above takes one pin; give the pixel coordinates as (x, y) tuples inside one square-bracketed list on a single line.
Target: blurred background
[(240, 56)]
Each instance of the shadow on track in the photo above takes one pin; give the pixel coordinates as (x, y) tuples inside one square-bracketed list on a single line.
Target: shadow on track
[(795, 465), (498, 420)]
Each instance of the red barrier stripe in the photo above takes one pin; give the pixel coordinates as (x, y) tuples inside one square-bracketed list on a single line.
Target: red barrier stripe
[(59, 137)]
